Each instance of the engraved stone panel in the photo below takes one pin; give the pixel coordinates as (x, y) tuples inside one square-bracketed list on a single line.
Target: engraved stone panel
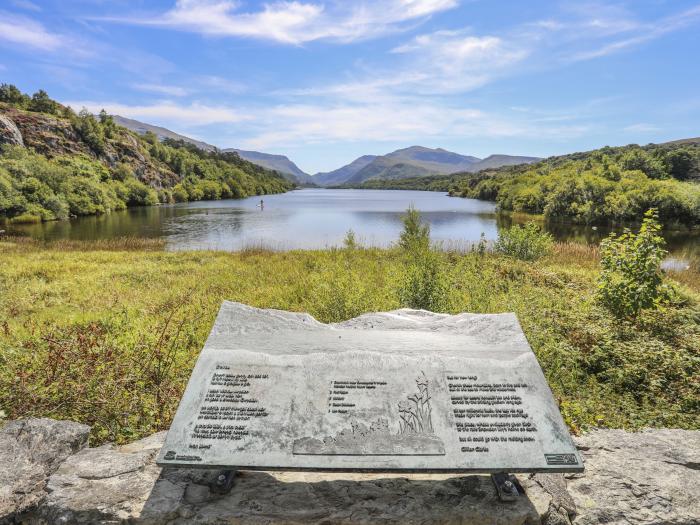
[(392, 392)]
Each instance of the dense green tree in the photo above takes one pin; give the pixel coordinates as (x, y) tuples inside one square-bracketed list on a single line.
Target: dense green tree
[(42, 103), (109, 127), (90, 131), (11, 95)]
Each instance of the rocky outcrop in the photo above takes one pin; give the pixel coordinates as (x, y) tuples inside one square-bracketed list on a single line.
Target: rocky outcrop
[(30, 451), (53, 137), (48, 475), (9, 133)]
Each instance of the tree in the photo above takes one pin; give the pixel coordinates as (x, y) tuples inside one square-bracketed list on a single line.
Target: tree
[(681, 164), (638, 159), (415, 235), (108, 125), (11, 95), (90, 131), (42, 103)]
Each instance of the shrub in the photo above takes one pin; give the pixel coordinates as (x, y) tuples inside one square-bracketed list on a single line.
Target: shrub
[(527, 242), (424, 283), (415, 235), (630, 278), (90, 131), (350, 242), (41, 103), (11, 95)]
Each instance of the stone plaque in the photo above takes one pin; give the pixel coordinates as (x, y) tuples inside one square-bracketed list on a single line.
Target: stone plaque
[(391, 392)]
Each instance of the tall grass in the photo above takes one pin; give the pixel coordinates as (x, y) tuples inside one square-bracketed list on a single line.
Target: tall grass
[(109, 337)]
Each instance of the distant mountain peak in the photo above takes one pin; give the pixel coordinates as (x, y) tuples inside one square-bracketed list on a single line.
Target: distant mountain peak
[(278, 163), (413, 161)]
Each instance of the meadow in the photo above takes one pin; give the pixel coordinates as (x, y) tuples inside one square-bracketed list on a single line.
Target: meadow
[(107, 333)]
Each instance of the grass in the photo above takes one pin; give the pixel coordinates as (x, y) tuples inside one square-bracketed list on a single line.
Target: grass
[(107, 333)]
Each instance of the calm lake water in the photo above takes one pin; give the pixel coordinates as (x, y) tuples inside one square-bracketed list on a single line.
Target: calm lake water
[(307, 218)]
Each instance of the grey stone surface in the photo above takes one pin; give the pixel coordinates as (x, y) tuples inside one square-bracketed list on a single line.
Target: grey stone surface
[(631, 478), (400, 391), (9, 133), (638, 478), (30, 450)]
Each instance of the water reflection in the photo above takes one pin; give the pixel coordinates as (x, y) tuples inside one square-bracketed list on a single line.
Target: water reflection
[(309, 218)]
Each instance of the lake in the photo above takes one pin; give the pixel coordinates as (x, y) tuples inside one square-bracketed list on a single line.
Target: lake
[(306, 218)]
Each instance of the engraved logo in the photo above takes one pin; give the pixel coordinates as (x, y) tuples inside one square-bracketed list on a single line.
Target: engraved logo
[(561, 459), (169, 455)]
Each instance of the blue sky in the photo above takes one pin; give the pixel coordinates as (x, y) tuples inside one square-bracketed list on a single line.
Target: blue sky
[(327, 81)]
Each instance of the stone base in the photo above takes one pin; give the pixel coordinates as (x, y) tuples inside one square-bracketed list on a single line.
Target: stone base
[(51, 477)]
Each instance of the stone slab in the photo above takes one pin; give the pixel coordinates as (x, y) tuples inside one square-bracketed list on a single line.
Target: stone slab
[(403, 391)]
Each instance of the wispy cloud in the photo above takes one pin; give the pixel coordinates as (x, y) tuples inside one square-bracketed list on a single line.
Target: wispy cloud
[(162, 89), (167, 113), (15, 29), (641, 127), (642, 33), (293, 22), (26, 4)]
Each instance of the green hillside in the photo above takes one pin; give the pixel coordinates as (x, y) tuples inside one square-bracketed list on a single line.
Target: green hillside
[(608, 185), (55, 164)]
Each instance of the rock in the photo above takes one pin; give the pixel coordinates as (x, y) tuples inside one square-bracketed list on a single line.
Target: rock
[(648, 477), (645, 477), (30, 451), (9, 132), (113, 484)]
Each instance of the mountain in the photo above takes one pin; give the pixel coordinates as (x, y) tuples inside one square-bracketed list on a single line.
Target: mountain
[(415, 161), (274, 162), (339, 176), (162, 133), (496, 161), (278, 163)]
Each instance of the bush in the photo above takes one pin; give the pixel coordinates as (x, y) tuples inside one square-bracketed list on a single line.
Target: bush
[(527, 242), (41, 103), (90, 131), (424, 284), (11, 95), (350, 241), (415, 236), (630, 278)]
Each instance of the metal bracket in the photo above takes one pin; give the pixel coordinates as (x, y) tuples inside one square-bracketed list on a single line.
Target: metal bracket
[(223, 483), (506, 486)]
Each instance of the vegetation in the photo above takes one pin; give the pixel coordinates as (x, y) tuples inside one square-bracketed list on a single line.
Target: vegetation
[(424, 283), (631, 279), (605, 186), (81, 177), (527, 242), (107, 333)]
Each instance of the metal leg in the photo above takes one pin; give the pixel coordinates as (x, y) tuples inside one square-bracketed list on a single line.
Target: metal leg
[(223, 482), (506, 486)]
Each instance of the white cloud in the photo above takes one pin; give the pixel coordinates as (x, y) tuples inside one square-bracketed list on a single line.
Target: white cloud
[(397, 120), (26, 32), (295, 22), (163, 89), (167, 113), (641, 127)]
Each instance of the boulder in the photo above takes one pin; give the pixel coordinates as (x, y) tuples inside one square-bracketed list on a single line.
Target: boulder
[(30, 451), (9, 133)]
